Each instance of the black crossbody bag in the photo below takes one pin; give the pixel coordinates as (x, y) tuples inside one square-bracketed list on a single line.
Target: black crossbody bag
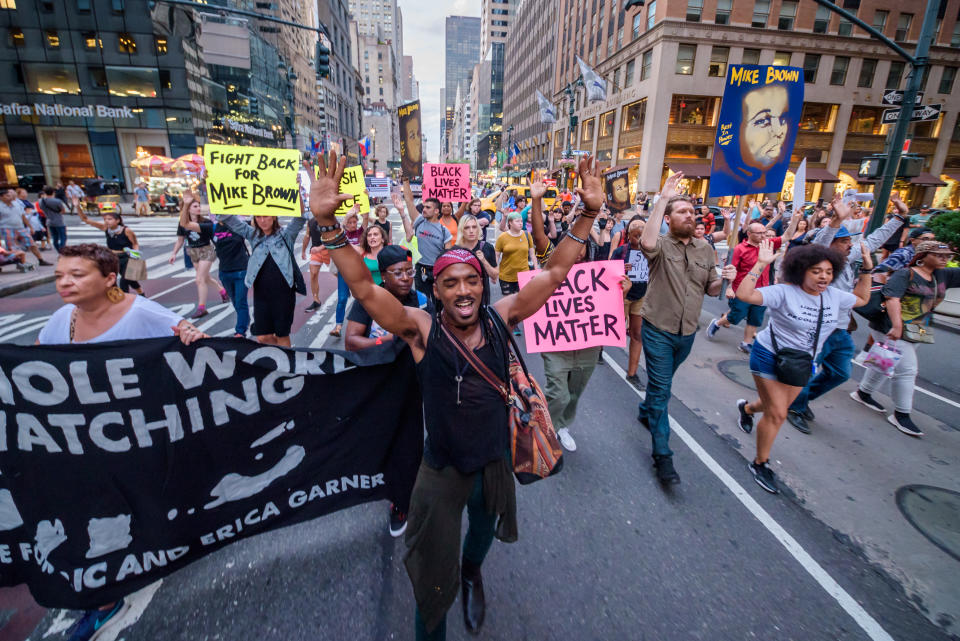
[(795, 366)]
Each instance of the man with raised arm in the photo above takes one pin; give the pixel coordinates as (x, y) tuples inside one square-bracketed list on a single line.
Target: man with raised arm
[(466, 461), (682, 270)]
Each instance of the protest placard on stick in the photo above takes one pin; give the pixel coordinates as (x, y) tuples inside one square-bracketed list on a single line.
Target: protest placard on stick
[(447, 182), (411, 145), (353, 183), (253, 181)]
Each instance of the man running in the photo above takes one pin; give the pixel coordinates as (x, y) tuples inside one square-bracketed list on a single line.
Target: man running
[(682, 270), (460, 467), (836, 357)]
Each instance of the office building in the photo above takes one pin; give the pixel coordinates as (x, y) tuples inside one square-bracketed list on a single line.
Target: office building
[(462, 49)]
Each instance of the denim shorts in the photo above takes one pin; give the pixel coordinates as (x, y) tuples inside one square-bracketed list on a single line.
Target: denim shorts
[(740, 310), (761, 362)]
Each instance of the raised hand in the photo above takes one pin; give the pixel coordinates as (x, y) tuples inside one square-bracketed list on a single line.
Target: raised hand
[(325, 196), (767, 254), (397, 202), (900, 206), (670, 186), (538, 189), (841, 211), (590, 190), (867, 256)]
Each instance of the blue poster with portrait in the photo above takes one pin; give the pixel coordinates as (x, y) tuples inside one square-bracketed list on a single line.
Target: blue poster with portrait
[(759, 116)]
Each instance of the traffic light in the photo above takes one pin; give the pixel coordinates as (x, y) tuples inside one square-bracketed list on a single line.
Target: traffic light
[(323, 60), (254, 106)]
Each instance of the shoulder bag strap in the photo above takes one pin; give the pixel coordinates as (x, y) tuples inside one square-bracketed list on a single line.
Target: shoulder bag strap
[(502, 327), (816, 336), (477, 364)]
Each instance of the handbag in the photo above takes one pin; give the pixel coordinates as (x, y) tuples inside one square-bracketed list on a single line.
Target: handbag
[(136, 269), (915, 332), (795, 366), (883, 358), (534, 447)]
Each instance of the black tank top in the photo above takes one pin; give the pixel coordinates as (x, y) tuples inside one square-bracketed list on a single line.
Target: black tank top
[(476, 432), (118, 241)]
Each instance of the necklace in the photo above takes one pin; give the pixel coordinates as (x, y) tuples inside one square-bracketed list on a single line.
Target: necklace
[(73, 323)]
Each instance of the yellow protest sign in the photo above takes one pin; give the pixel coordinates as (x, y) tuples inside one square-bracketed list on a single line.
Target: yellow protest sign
[(354, 184), (252, 181)]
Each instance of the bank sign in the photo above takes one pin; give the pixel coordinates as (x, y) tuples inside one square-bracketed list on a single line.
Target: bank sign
[(87, 111)]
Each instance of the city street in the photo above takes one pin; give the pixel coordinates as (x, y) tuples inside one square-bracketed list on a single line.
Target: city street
[(604, 551)]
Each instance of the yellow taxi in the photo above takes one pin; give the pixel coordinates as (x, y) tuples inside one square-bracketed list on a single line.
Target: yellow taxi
[(488, 204), (108, 205)]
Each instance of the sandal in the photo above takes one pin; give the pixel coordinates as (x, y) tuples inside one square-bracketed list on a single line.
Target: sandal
[(335, 331)]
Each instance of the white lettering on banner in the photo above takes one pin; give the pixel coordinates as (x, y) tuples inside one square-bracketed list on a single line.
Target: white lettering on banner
[(248, 129), (66, 111)]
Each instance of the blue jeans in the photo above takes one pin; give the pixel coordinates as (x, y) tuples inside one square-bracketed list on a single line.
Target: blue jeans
[(835, 361), (58, 236), (237, 291), (343, 295), (664, 352)]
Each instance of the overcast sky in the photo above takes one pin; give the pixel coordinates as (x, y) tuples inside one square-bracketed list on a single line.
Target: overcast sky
[(423, 38)]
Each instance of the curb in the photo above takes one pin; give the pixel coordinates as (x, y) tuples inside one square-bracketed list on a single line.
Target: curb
[(14, 288)]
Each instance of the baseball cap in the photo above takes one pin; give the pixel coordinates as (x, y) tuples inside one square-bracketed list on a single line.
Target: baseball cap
[(393, 254), (920, 231), (843, 232), (933, 247)]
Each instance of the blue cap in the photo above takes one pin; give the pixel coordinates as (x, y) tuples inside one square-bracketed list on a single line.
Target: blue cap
[(843, 232)]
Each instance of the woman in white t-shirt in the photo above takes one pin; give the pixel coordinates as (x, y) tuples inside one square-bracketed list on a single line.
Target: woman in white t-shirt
[(97, 310), (804, 311)]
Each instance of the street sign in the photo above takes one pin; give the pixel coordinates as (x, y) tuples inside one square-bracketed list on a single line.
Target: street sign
[(923, 112), (895, 97), (579, 152)]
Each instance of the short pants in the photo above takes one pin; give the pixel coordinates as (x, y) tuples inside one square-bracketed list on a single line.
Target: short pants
[(16, 238), (206, 253), (762, 362), (740, 310), (632, 308), (507, 288)]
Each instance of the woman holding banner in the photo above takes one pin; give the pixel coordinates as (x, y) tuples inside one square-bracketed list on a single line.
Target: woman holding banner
[(272, 273)]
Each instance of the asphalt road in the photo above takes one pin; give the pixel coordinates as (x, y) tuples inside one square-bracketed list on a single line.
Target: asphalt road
[(604, 551)]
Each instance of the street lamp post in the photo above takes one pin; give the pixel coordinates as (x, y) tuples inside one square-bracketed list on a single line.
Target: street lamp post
[(373, 136), (509, 146), (291, 76), (571, 91)]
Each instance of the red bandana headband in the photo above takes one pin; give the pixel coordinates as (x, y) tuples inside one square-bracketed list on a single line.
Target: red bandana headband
[(456, 256)]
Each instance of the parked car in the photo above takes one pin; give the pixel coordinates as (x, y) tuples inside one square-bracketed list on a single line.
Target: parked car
[(109, 204)]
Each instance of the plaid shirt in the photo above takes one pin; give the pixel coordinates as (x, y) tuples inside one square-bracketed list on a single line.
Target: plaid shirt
[(899, 259)]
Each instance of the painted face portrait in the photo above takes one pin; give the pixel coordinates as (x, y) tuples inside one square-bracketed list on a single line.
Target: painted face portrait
[(621, 193), (764, 126), (618, 190), (411, 137)]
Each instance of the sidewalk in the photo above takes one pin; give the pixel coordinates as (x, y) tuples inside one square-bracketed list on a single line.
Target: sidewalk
[(13, 281)]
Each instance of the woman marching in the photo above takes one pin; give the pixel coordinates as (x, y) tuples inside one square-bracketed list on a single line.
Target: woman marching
[(120, 238), (371, 242), (273, 274), (804, 311), (198, 233)]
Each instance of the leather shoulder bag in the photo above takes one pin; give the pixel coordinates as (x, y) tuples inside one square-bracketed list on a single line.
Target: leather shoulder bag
[(795, 366)]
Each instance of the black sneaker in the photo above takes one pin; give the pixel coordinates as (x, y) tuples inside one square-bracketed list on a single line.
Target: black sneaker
[(312, 307), (807, 413), (745, 421), (398, 521), (865, 399), (905, 424), (764, 476), (666, 473), (798, 421)]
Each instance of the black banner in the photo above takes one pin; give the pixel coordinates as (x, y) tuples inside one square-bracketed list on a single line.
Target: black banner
[(123, 462)]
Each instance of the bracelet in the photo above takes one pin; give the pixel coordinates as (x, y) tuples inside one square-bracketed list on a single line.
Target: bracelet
[(753, 274), (339, 246), (333, 239), (325, 228), (587, 215), (864, 272), (571, 236)]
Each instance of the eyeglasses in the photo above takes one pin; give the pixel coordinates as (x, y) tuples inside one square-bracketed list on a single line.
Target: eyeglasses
[(400, 273)]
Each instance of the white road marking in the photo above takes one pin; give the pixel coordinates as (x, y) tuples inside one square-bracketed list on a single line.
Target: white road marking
[(926, 391), (866, 622), (321, 337)]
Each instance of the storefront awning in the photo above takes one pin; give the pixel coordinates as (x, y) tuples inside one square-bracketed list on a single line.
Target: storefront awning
[(952, 175), (690, 169), (926, 179), (816, 175)]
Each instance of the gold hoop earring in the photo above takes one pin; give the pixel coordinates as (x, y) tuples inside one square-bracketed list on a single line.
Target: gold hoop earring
[(115, 295)]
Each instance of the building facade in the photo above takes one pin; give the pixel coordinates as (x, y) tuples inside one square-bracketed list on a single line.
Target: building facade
[(339, 97), (531, 70), (381, 73), (462, 48), (665, 65), (409, 87)]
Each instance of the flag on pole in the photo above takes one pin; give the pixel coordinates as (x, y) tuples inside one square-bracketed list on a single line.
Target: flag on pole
[(548, 113), (596, 86), (514, 154)]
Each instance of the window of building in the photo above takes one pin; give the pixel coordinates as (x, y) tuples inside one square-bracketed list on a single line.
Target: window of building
[(139, 82), (637, 25), (8, 4), (98, 77), (817, 116), (781, 58), (946, 80), (116, 6), (628, 73), (718, 62), (955, 38), (586, 130), (694, 10), (15, 37), (160, 44), (751, 57), (633, 114), (903, 27), (839, 74), (166, 82), (788, 13), (723, 11), (52, 79), (845, 28), (46, 6), (90, 41), (51, 39), (126, 43), (693, 110), (645, 64), (811, 62), (606, 124), (685, 57), (685, 151), (865, 120), (821, 21), (761, 13), (867, 71), (651, 14), (880, 20), (83, 6), (894, 75)]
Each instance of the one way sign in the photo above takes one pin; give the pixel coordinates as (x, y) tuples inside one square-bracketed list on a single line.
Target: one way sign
[(923, 112), (894, 97)]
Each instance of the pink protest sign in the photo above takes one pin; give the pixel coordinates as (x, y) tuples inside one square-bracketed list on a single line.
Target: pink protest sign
[(446, 182), (585, 311)]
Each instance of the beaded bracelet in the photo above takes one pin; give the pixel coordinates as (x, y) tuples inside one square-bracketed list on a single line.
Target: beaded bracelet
[(338, 246), (336, 238), (325, 228)]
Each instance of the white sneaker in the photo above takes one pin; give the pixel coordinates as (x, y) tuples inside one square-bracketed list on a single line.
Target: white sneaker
[(566, 440)]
